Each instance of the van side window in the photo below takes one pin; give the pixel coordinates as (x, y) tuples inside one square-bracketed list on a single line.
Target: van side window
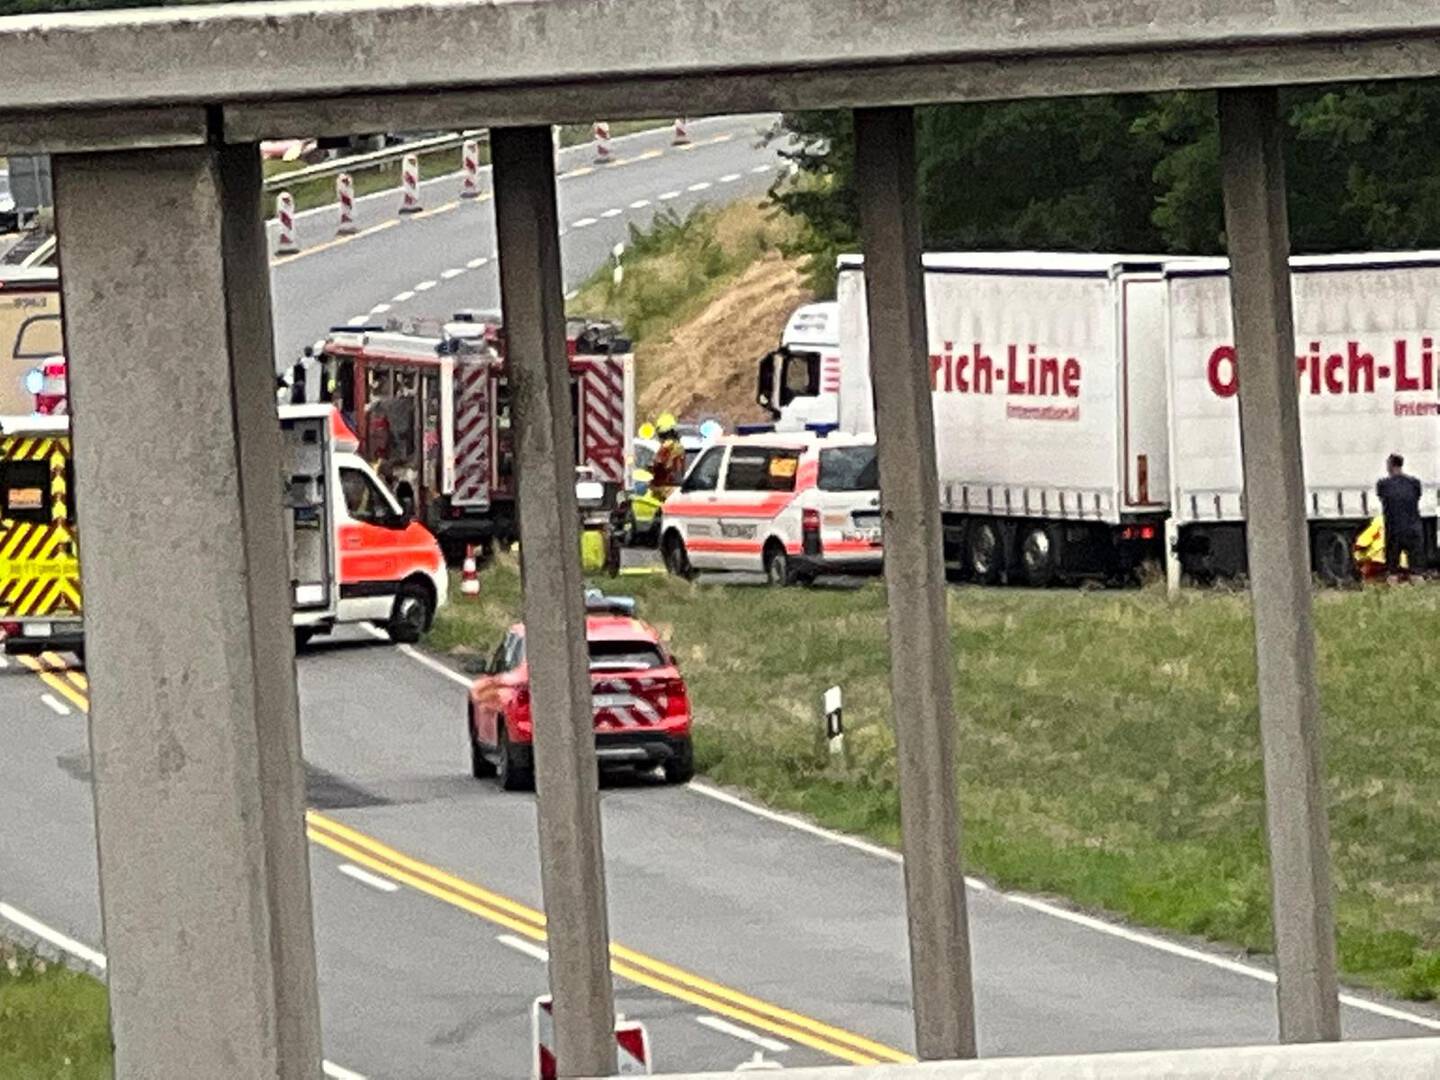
[(25, 491), (761, 469), (705, 476), (363, 498)]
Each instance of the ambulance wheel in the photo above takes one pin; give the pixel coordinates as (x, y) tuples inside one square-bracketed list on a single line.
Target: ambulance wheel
[(410, 617), (986, 551), (1333, 559), (677, 561), (1039, 555), (481, 767), (777, 567), (512, 776)]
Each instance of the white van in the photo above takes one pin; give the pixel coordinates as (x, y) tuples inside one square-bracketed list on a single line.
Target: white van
[(793, 505)]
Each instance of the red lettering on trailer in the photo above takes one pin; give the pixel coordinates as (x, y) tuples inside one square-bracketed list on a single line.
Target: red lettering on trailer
[(1350, 368), (1027, 372)]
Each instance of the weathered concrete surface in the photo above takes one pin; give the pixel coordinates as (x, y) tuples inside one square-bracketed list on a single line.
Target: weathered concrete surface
[(194, 729), (921, 697), (1277, 536), (262, 51)]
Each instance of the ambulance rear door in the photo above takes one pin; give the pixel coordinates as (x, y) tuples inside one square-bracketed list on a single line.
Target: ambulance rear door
[(39, 556)]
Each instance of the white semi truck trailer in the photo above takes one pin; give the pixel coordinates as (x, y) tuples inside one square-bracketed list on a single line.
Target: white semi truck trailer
[(1082, 401)]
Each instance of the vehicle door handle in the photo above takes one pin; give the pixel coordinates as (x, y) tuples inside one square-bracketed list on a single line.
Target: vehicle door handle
[(352, 541)]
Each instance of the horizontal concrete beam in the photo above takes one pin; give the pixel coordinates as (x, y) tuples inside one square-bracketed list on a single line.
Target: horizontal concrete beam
[(848, 87), (296, 48), (1390, 1059), (85, 130)]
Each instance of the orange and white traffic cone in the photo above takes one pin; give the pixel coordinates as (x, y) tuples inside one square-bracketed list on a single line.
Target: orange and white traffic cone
[(410, 184), (285, 218), (602, 143), (345, 198), (470, 170), (682, 132), (469, 576)]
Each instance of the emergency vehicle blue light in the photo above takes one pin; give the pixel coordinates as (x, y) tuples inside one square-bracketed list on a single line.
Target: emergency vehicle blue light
[(710, 429), (822, 429), (753, 429), (34, 381)]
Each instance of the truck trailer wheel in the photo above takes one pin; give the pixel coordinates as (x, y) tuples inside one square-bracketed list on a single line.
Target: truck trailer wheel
[(985, 550), (410, 617), (1333, 560), (1040, 556)]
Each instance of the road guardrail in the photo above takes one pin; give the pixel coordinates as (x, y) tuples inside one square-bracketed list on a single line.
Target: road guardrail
[(374, 159)]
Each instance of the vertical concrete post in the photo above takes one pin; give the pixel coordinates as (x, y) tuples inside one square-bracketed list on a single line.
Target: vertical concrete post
[(572, 867), (920, 651), (194, 729), (1253, 174)]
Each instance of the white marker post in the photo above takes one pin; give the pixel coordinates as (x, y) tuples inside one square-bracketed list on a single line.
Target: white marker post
[(1172, 558), (834, 720), (632, 1043), (618, 276), (759, 1063)]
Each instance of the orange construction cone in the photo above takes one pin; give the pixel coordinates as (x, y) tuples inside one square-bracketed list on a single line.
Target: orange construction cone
[(469, 578)]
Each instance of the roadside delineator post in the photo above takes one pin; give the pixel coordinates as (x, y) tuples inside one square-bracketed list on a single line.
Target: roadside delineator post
[(682, 132), (470, 167), (469, 576), (410, 185), (835, 721), (602, 143), (345, 197), (285, 217)]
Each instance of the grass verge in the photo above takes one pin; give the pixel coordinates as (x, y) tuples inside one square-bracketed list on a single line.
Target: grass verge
[(53, 1021), (1109, 743)]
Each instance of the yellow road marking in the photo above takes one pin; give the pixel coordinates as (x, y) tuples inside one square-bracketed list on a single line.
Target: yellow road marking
[(628, 963), (625, 962), (56, 683), (583, 170), (329, 244)]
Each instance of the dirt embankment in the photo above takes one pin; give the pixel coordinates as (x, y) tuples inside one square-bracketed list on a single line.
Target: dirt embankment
[(705, 367)]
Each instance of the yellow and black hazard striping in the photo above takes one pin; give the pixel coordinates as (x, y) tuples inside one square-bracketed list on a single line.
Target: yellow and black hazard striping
[(39, 562)]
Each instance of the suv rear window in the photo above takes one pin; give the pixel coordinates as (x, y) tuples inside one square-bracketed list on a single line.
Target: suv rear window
[(849, 468), (625, 656), (754, 468)]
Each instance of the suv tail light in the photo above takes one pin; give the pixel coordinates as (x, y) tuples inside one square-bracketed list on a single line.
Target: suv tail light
[(677, 701), (810, 531)]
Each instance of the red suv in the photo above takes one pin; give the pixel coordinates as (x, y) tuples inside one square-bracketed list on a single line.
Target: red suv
[(642, 712)]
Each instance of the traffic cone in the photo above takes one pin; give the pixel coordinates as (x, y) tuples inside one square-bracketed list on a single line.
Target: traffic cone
[(469, 577)]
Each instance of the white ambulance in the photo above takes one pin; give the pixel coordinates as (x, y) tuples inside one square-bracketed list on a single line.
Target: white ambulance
[(355, 554), (793, 505)]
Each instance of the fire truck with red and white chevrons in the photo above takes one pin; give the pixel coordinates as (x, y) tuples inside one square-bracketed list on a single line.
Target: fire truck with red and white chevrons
[(434, 414)]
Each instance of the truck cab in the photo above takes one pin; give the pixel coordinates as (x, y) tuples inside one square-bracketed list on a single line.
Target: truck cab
[(799, 383)]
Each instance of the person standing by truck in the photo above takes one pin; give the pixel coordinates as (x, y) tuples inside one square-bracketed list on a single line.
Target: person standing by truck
[(1400, 503)]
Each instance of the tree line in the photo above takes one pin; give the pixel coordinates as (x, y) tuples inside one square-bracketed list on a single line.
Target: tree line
[(1137, 173)]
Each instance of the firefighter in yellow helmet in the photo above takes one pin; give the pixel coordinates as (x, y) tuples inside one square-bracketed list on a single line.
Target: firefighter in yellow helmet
[(668, 468)]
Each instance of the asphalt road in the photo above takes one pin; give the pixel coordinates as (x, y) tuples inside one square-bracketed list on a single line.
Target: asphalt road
[(742, 932), (434, 263)]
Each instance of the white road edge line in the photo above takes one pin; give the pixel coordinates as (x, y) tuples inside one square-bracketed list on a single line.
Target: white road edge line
[(1089, 922), (401, 297), (583, 223), (453, 272), (715, 1023), (475, 264), (730, 178), (667, 196), (529, 948), (54, 706), (1135, 937), (612, 212), (48, 933), (367, 878), (639, 204), (4, 663), (97, 960), (379, 309), (762, 168), (702, 185), (357, 320), (425, 286)]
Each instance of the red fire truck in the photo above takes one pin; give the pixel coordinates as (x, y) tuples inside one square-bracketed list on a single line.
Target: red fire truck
[(433, 412)]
